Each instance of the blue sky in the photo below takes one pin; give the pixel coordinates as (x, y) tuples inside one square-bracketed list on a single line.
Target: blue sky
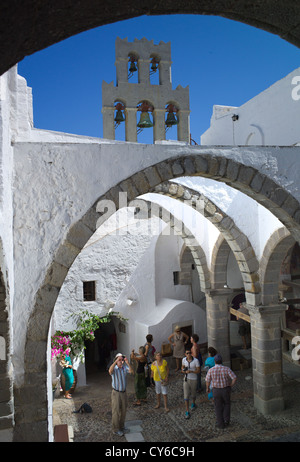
[(223, 62)]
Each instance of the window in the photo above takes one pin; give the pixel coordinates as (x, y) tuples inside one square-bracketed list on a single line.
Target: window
[(176, 278), (89, 291)]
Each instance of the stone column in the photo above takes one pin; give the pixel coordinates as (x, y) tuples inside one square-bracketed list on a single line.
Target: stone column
[(122, 70), (184, 126), (108, 123), (165, 77), (144, 71), (267, 357), (159, 124), (217, 313), (130, 125)]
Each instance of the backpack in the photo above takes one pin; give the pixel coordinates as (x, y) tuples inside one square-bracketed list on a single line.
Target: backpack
[(85, 407)]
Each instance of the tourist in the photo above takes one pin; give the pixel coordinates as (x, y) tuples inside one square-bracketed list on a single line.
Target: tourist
[(160, 374), (118, 371), (66, 364), (149, 353), (209, 363), (178, 340), (191, 369), (196, 354), (139, 377), (222, 379)]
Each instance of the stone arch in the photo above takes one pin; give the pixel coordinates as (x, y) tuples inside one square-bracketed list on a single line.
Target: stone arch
[(244, 178), (188, 238), (36, 345), (275, 250), (219, 260), (37, 27), (237, 241)]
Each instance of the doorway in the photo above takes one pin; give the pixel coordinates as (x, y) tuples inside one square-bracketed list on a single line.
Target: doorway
[(188, 330), (98, 353)]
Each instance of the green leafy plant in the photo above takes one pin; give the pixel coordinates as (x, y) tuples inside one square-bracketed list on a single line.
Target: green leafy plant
[(74, 341)]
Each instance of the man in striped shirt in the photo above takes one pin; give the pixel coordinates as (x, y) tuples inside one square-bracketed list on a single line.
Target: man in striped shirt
[(118, 371), (222, 379)]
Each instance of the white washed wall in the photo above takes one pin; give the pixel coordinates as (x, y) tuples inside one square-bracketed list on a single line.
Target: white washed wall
[(269, 119)]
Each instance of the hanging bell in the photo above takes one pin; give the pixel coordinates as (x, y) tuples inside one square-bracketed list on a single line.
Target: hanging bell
[(145, 121), (154, 65), (132, 67), (119, 117), (171, 119)]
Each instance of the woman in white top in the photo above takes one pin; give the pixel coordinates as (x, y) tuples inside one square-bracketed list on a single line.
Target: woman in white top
[(190, 369)]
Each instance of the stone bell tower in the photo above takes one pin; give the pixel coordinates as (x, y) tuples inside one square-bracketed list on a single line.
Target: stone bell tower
[(166, 107)]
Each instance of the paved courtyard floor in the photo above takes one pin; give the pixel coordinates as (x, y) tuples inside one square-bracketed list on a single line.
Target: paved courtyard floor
[(155, 426)]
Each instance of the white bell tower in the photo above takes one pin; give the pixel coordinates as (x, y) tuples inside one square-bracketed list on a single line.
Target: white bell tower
[(160, 106)]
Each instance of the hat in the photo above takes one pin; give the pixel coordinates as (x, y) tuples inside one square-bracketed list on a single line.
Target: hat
[(218, 358), (177, 328), (117, 355)]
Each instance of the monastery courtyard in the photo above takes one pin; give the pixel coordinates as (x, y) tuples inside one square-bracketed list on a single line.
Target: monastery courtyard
[(154, 425)]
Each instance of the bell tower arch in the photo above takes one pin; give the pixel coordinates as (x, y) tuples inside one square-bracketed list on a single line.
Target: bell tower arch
[(144, 57)]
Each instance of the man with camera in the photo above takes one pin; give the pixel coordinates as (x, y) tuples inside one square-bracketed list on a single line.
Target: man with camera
[(118, 371), (190, 369)]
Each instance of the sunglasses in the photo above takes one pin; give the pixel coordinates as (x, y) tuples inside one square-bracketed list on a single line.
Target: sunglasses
[(188, 352)]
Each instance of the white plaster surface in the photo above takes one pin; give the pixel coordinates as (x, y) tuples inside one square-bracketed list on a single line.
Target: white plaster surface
[(47, 184), (254, 220), (67, 178), (270, 118)]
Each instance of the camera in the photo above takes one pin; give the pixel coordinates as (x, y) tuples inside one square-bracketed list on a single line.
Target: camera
[(184, 370)]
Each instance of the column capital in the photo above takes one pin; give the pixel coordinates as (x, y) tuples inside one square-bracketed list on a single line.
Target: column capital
[(218, 292), (266, 310)]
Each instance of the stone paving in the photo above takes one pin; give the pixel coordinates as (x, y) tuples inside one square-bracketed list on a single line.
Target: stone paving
[(147, 424)]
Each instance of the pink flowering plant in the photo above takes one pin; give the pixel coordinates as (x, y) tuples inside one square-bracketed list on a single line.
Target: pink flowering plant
[(60, 343), (73, 342)]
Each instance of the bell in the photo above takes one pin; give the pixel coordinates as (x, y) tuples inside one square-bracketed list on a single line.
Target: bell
[(154, 66), (145, 121), (171, 120), (132, 67), (119, 117)]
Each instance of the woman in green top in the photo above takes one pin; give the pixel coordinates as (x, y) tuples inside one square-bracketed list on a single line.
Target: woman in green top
[(139, 377)]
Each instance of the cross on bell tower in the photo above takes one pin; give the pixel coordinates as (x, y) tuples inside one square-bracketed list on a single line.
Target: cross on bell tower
[(160, 106)]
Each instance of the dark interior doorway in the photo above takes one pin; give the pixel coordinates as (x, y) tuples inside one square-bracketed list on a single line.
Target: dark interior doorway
[(98, 353), (188, 330), (240, 298)]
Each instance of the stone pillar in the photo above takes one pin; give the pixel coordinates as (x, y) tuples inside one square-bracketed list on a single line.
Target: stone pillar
[(184, 126), (217, 313), (130, 125), (144, 69), (267, 357), (165, 77), (159, 124), (108, 123), (122, 70)]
